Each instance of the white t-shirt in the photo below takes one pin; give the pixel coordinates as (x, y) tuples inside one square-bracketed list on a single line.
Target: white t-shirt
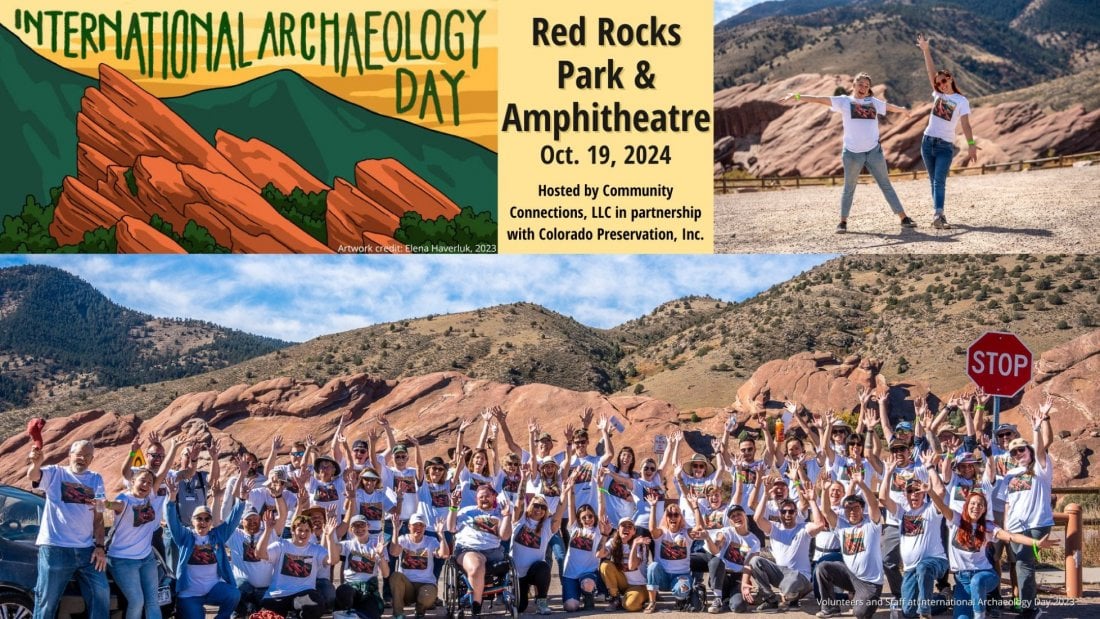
[(959, 489), (946, 112), (359, 566), (202, 568), (1027, 497), (686, 483), (673, 551), (67, 516), (296, 567), (860, 545), (478, 529), (860, 119), (549, 489), (810, 466), (842, 468), (529, 543), (791, 548), (470, 482), (374, 507), (737, 548), (261, 500), (435, 501), (897, 486), (827, 540), (244, 560), (401, 481), (968, 555), (585, 490), (641, 488), (619, 502), (920, 533), (134, 527), (417, 561), (714, 517), (580, 557), (749, 474), (326, 494), (507, 485)]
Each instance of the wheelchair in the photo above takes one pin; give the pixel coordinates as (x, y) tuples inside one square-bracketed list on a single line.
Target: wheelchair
[(501, 585)]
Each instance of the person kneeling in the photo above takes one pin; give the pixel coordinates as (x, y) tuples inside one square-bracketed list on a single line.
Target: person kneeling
[(415, 579), (298, 562)]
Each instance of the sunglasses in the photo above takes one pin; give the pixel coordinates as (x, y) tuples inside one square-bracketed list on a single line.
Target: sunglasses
[(297, 454), (786, 512), (899, 450), (581, 442), (672, 514), (400, 455), (1004, 435), (1018, 450), (359, 450), (202, 518), (649, 468), (539, 506), (698, 466)]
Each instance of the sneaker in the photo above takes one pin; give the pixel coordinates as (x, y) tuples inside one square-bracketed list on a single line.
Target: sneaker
[(828, 612), (615, 603), (842, 227), (939, 222), (302, 601), (908, 223), (419, 614), (715, 606), (542, 606)]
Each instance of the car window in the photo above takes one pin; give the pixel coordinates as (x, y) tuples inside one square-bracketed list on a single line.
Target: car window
[(19, 518)]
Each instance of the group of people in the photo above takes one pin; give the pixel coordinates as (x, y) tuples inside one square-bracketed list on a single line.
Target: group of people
[(830, 509), (860, 111)]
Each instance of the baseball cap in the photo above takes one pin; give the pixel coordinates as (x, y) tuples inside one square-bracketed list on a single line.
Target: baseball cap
[(418, 519)]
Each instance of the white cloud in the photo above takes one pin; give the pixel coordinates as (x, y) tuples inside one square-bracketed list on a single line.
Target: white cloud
[(729, 8), (300, 297)]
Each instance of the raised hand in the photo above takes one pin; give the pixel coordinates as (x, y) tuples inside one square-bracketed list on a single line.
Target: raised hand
[(276, 443), (456, 497), (499, 413), (349, 477), (569, 433), (532, 427), (1044, 409), (374, 434), (486, 415), (172, 485), (331, 522), (922, 42), (246, 484), (882, 391), (466, 423), (678, 436), (601, 423), (586, 417), (310, 441), (136, 443), (652, 498), (928, 458), (154, 437), (791, 407)]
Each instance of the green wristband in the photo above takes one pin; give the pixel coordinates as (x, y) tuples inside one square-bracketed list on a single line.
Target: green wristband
[(971, 142), (1035, 547), (797, 96)]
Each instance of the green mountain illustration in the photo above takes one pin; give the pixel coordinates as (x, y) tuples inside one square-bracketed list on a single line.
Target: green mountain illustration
[(325, 134)]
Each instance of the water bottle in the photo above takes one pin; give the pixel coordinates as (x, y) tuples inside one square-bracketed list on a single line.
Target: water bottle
[(617, 424), (100, 501)]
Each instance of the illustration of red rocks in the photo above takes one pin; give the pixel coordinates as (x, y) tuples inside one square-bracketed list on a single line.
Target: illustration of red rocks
[(137, 159)]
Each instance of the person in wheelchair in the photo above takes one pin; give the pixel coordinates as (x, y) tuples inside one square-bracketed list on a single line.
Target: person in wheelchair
[(478, 531)]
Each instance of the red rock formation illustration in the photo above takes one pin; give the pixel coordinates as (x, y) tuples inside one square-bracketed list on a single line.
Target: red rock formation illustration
[(136, 158)]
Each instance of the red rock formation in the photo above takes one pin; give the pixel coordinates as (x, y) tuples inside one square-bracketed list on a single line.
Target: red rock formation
[(137, 237), (122, 121), (350, 213), (263, 164), (805, 139), (427, 406), (389, 183), (384, 244), (238, 218), (79, 210)]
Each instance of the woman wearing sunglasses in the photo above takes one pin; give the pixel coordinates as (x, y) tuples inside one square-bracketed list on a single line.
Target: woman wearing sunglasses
[(204, 576), (970, 533), (671, 571), (625, 559), (530, 540), (1027, 491), (949, 109)]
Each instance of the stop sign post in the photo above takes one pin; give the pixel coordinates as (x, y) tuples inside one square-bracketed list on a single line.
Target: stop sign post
[(1000, 364)]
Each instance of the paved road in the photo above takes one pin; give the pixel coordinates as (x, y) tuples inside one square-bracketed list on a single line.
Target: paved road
[(1039, 211)]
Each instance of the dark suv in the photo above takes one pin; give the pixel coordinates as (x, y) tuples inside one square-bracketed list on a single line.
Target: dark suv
[(20, 515)]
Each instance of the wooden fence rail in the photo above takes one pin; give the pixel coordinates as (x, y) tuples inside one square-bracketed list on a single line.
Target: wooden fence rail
[(723, 184)]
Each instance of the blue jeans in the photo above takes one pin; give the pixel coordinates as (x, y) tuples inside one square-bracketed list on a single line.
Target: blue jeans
[(224, 595), (250, 597), (56, 566), (971, 587), (556, 550), (918, 585), (138, 580), (571, 587), (657, 579), (937, 155), (1026, 563), (875, 162)]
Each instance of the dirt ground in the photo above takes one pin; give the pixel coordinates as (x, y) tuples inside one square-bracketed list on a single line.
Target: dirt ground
[(1036, 211)]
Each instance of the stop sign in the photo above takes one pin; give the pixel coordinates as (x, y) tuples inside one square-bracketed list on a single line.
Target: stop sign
[(999, 363)]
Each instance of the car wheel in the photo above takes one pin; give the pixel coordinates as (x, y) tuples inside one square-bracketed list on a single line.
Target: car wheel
[(15, 605)]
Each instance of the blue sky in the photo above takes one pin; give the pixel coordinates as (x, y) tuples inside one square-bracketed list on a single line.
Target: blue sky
[(300, 297), (727, 8)]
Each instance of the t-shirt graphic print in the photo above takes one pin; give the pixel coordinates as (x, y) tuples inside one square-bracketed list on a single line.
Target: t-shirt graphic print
[(863, 111), (143, 514), (296, 566), (529, 537), (75, 493), (203, 554), (1021, 483), (943, 108), (853, 542), (414, 559)]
